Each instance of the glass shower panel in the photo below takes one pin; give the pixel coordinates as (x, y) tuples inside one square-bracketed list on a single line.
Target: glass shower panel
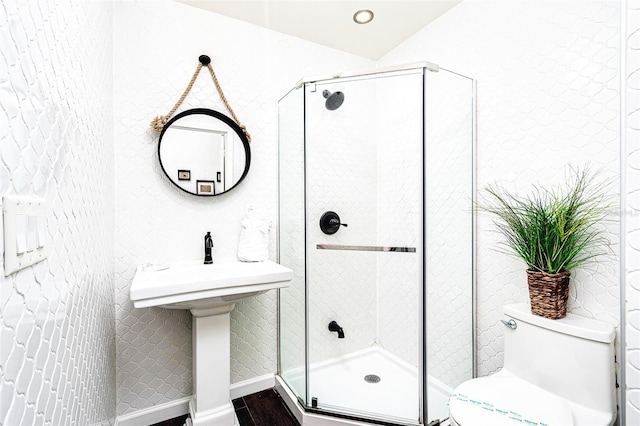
[(364, 162), (449, 174), (291, 240)]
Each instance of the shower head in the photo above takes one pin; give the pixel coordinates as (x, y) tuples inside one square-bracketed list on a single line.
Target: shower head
[(333, 100)]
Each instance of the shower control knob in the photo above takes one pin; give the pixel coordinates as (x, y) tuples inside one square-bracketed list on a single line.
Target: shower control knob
[(330, 223)]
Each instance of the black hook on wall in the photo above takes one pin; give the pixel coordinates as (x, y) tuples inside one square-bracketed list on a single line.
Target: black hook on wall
[(204, 60)]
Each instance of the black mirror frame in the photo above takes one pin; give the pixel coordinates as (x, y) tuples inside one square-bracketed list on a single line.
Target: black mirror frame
[(226, 120)]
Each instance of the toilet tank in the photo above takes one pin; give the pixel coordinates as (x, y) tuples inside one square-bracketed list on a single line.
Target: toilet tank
[(572, 357)]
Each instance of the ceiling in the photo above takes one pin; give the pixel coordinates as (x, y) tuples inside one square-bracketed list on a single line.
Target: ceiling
[(330, 22)]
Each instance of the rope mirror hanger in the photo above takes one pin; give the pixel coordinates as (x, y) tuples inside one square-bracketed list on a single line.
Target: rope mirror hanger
[(159, 122)]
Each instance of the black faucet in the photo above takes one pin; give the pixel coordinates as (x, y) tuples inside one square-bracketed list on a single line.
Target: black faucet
[(208, 244), (333, 326)]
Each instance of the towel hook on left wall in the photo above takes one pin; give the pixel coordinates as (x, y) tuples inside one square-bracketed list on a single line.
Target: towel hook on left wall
[(159, 122)]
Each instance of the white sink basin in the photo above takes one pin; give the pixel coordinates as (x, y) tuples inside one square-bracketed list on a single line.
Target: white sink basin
[(210, 293), (193, 285)]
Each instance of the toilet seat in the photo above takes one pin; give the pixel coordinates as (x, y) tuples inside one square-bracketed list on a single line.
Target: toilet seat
[(506, 401)]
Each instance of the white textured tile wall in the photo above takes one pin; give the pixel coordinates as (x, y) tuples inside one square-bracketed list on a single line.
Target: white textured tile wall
[(156, 46), (341, 177), (631, 210), (399, 125), (448, 188), (57, 337), (548, 95)]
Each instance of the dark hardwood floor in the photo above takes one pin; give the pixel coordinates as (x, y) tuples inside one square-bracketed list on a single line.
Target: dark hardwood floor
[(265, 408)]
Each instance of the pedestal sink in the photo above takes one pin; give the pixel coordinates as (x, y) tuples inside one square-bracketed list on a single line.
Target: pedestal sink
[(210, 293)]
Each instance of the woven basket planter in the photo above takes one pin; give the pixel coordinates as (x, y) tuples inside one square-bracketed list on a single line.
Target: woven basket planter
[(548, 293)]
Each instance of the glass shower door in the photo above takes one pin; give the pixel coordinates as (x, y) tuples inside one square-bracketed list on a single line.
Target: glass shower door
[(448, 262), (363, 162), (378, 320)]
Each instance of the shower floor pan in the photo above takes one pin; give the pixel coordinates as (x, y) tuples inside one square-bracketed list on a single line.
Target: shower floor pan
[(349, 385)]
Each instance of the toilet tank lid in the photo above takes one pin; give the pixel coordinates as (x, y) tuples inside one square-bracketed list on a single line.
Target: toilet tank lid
[(572, 324)]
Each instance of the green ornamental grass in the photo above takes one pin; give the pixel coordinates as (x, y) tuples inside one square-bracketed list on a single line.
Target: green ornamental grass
[(554, 230)]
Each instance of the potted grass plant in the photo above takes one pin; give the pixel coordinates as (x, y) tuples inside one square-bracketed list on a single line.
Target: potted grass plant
[(554, 231)]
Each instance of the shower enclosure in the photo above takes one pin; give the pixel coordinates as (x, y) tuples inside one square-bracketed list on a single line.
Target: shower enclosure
[(376, 178)]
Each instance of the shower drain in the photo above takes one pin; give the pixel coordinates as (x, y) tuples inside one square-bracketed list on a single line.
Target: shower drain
[(371, 378)]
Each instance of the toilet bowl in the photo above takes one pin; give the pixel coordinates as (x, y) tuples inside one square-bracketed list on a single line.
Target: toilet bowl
[(556, 372)]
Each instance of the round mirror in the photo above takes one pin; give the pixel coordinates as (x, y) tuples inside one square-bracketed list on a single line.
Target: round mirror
[(204, 152)]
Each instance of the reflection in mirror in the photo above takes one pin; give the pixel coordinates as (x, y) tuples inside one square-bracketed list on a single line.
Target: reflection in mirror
[(204, 152)]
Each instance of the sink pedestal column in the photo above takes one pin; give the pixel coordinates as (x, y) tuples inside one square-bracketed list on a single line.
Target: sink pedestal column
[(211, 404)]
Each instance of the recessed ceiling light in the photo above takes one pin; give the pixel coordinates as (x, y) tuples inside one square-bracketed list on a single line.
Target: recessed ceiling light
[(363, 16)]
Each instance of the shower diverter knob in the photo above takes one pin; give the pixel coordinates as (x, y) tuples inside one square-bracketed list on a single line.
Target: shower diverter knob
[(330, 223)]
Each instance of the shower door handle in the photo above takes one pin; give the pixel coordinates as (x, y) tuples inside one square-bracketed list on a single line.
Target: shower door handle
[(366, 248)]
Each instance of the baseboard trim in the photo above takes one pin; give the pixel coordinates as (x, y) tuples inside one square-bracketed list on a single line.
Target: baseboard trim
[(180, 407), (155, 414), (257, 384)]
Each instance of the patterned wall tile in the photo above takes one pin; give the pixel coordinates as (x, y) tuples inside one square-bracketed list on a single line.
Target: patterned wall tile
[(57, 337), (548, 85), (156, 222), (399, 125), (341, 177)]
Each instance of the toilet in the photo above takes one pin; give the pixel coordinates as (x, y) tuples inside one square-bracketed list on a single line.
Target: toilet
[(556, 373)]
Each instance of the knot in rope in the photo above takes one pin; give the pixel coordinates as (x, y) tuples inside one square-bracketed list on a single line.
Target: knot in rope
[(246, 133), (158, 123)]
